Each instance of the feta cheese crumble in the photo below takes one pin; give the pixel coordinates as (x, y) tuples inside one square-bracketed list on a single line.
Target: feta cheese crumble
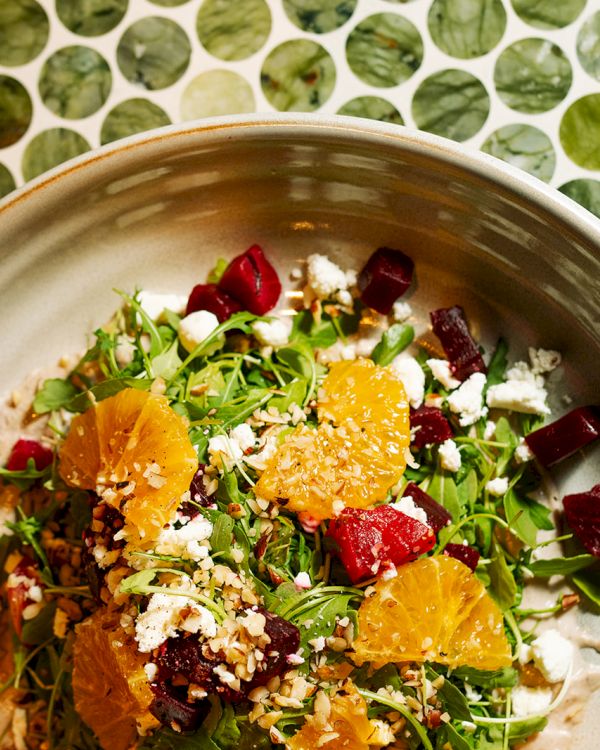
[(523, 391), (188, 542), (302, 581), (498, 486), (231, 449), (543, 360), (552, 655), (440, 369), (467, 400), (450, 456), (155, 303), (401, 311), (523, 452), (326, 278), (195, 328), (412, 376), (244, 436), (7, 515), (407, 506), (271, 333), (530, 701), (489, 430)]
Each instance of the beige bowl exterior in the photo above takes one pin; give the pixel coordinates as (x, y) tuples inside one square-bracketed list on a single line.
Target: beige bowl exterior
[(156, 210)]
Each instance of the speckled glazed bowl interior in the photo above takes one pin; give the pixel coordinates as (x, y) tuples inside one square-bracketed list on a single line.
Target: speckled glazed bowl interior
[(157, 210)]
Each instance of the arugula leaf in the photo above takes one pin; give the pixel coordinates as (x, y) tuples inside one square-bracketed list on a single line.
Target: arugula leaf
[(320, 334), (222, 534), (393, 341), (452, 698), (522, 730), (227, 733), (295, 394), (323, 616), (502, 583), (497, 366), (215, 275), (41, 628), (519, 518), (387, 675), (443, 489), (136, 582), (105, 389), (165, 364), (448, 737), (467, 490), (587, 582), (505, 677), (166, 739), (54, 394), (561, 566), (24, 478)]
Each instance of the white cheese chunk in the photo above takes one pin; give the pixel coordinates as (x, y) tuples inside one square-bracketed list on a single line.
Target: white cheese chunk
[(440, 369), (498, 486), (543, 360), (523, 391), (401, 311), (407, 506), (188, 542), (325, 277), (530, 701), (271, 333), (244, 436), (412, 376), (162, 619), (467, 400), (450, 456), (552, 655), (155, 303), (195, 328)]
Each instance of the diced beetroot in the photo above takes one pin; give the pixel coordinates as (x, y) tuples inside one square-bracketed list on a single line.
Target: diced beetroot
[(197, 494), (285, 640), (210, 297), (437, 515), (369, 540), (450, 326), (583, 516), (433, 427), (171, 707), (23, 450), (559, 440), (386, 276), (465, 554), (253, 281)]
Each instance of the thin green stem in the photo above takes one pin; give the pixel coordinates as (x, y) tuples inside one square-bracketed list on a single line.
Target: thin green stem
[(412, 720)]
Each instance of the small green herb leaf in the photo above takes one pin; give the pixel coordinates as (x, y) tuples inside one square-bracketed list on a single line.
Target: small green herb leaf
[(393, 341), (54, 394), (561, 566)]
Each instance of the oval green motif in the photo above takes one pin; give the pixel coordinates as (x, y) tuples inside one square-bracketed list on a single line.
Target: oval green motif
[(533, 75), (585, 192), (50, 148), (15, 110), (466, 28), (231, 30), (525, 147), (580, 131), (319, 16), (372, 108), (154, 52), (452, 103), (132, 116), (216, 92), (169, 3), (75, 82), (91, 17), (23, 31), (548, 14), (588, 46), (298, 76), (384, 50), (7, 182)]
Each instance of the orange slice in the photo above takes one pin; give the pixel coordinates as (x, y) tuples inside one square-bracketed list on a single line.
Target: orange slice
[(346, 724), (134, 450), (110, 687), (357, 452), (436, 610)]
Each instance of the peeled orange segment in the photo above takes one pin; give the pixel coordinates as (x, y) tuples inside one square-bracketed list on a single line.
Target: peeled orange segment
[(134, 450), (352, 460), (435, 610), (110, 687), (347, 723)]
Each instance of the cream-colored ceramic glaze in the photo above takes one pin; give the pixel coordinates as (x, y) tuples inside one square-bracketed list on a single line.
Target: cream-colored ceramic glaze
[(156, 211)]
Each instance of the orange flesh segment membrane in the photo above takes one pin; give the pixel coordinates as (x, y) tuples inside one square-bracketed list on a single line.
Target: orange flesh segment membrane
[(356, 454), (110, 687), (134, 450), (434, 610), (348, 723)]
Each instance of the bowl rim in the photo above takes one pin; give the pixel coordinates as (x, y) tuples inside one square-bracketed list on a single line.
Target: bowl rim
[(547, 198)]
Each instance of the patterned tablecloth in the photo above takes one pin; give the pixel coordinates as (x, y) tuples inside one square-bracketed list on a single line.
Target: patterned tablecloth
[(519, 79)]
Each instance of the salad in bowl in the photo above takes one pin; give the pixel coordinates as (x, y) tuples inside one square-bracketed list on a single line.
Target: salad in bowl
[(225, 526)]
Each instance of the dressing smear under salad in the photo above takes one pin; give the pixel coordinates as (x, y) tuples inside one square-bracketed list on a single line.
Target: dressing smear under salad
[(227, 527)]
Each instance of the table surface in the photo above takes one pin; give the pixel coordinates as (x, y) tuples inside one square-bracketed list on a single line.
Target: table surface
[(519, 79)]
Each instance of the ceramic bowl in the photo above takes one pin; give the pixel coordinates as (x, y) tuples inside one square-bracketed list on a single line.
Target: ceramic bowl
[(156, 211)]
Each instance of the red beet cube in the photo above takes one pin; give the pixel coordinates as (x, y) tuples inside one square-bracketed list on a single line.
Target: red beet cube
[(170, 706), (450, 326), (252, 281), (210, 297), (23, 450), (437, 515), (559, 440), (368, 540), (583, 516), (433, 427), (386, 276), (465, 554)]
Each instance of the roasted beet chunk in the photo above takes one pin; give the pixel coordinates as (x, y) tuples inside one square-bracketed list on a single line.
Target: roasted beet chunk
[(23, 450), (210, 297), (428, 425), (386, 276), (369, 540), (285, 640), (465, 554), (583, 516), (437, 515), (171, 708), (559, 440), (197, 494), (253, 281), (450, 326)]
